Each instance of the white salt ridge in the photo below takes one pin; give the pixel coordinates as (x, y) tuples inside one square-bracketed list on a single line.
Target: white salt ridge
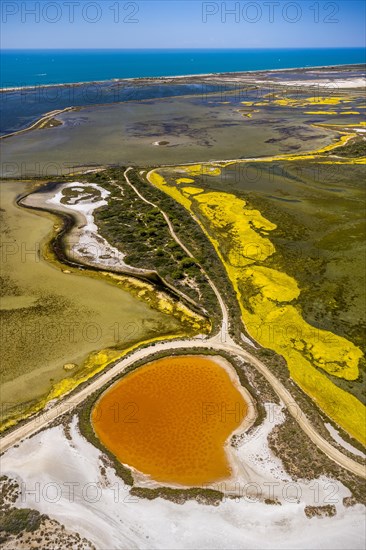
[(327, 84), (254, 447), (247, 340), (334, 433), (91, 246)]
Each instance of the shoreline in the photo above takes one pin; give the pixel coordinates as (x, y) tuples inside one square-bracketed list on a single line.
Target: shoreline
[(70, 221), (47, 117), (116, 80), (41, 122)]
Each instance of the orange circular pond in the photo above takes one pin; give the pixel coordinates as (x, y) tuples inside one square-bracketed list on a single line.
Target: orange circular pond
[(170, 419)]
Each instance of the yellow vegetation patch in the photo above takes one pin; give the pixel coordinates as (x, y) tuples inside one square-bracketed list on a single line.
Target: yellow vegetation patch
[(311, 155), (159, 182), (185, 180), (324, 100), (164, 303), (289, 102), (341, 128), (243, 245), (342, 141), (297, 102), (281, 327), (200, 169), (238, 234), (320, 113), (273, 284), (361, 160)]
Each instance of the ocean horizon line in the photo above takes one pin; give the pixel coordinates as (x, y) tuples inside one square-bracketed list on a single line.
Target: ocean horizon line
[(165, 77), (251, 48), (51, 67)]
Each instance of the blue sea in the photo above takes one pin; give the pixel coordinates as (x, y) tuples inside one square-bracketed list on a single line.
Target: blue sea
[(37, 67), (41, 75)]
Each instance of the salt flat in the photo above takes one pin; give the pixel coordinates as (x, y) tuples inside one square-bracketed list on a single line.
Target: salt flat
[(63, 478)]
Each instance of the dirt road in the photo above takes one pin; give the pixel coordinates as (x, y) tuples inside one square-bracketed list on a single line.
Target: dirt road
[(219, 342)]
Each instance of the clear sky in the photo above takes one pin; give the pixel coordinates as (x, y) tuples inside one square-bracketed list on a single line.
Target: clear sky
[(182, 24)]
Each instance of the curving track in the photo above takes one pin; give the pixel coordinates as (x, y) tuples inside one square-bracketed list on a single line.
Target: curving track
[(220, 342)]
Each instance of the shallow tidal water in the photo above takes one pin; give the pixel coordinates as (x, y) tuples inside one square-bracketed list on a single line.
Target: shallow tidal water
[(193, 129), (50, 318)]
